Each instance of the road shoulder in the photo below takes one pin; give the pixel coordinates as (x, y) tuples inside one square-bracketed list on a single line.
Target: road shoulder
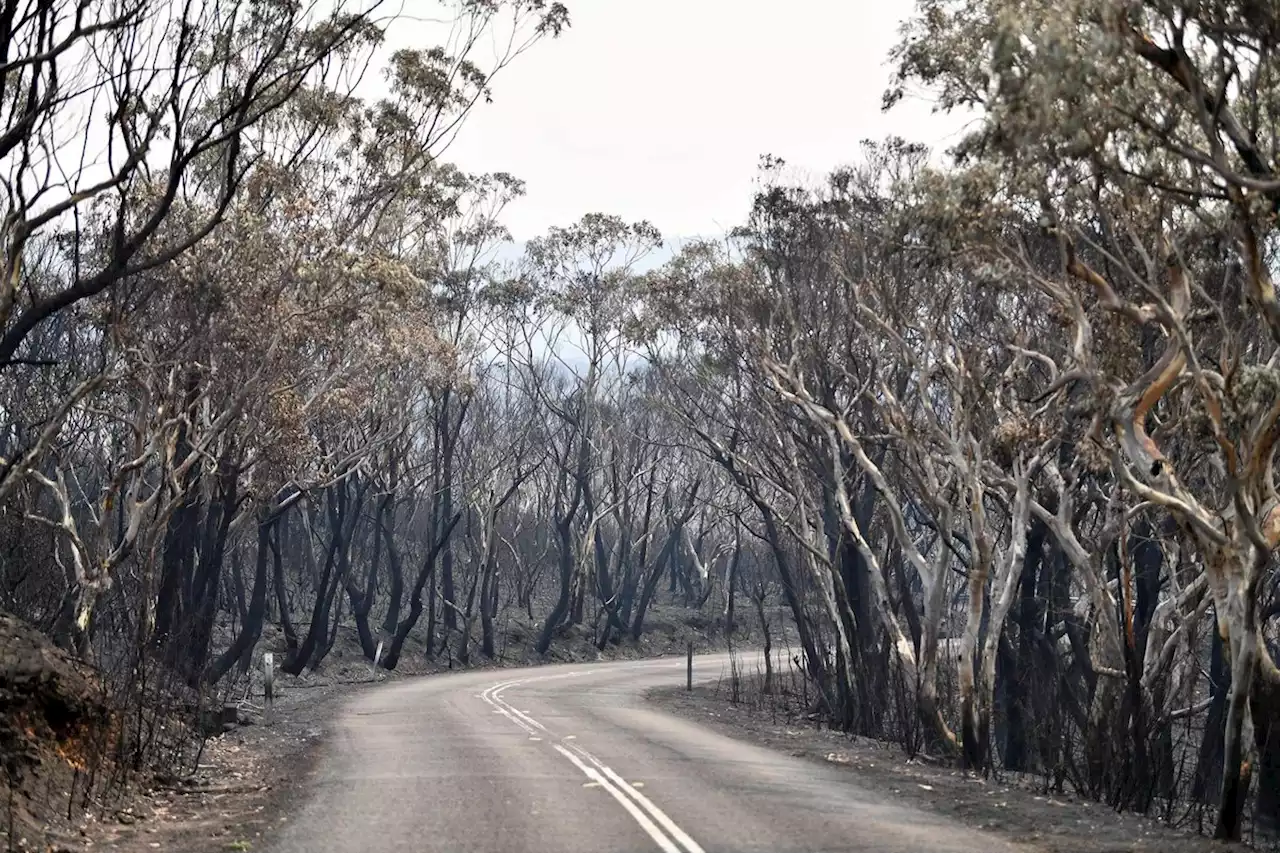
[(1056, 823), (248, 781)]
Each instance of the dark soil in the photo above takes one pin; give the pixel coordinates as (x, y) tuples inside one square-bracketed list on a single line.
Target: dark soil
[(54, 722), (1056, 823)]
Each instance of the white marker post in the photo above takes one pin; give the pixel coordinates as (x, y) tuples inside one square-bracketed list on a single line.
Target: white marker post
[(377, 656), (268, 678)]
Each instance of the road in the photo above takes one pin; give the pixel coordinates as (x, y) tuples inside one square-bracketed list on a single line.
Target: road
[(571, 759)]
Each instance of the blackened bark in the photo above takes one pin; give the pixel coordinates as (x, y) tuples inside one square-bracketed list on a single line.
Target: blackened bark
[(209, 571), (251, 629), (488, 609), (651, 584), (332, 635), (731, 588), (1265, 707), (415, 600), (814, 662), (327, 581), (282, 595), (1207, 783), (433, 591), (395, 568), (1018, 661), (237, 585), (177, 567), (362, 599), (564, 535)]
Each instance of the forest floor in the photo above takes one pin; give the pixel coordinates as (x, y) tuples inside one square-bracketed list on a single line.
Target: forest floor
[(249, 778), (1013, 807)]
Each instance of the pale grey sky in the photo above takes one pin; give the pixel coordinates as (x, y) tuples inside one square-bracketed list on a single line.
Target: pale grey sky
[(659, 109)]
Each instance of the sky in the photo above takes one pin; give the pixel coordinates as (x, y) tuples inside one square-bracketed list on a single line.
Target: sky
[(660, 109)]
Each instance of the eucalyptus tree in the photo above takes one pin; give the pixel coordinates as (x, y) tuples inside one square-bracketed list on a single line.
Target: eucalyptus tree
[(218, 300), (582, 274), (163, 107), (1136, 135)]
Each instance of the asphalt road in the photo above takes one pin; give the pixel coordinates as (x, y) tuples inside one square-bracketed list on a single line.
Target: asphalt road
[(571, 759)]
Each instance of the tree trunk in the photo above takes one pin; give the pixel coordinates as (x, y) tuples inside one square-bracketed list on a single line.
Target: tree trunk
[(970, 741), (177, 566), (564, 534), (651, 583), (448, 445), (1206, 785), (488, 585), (204, 608), (237, 586), (332, 636), (731, 586), (1235, 773), (251, 629), (415, 600), (75, 617), (395, 567), (1265, 707), (282, 597), (1017, 682), (766, 640), (294, 665)]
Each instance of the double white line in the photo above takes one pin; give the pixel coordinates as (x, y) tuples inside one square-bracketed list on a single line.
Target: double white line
[(653, 820)]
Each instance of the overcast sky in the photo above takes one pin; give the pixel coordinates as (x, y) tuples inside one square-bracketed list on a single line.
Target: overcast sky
[(660, 109)]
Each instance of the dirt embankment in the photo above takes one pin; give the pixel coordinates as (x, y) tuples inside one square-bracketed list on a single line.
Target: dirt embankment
[(1053, 823), (54, 725)]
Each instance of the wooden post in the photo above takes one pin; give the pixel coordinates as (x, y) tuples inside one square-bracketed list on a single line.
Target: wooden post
[(268, 678), (688, 677)]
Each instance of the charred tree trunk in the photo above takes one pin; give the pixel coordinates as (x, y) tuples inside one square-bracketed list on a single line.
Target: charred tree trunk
[(237, 586), (448, 448), (731, 585), (251, 630), (209, 571), (177, 569), (415, 600), (1019, 661), (651, 585), (395, 568), (1265, 707), (282, 595), (468, 616), (361, 599), (326, 585), (178, 557), (1207, 783), (757, 598), (814, 663), (564, 535), (433, 592)]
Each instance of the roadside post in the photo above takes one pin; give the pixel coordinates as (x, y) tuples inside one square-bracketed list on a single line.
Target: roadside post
[(688, 677), (268, 679)]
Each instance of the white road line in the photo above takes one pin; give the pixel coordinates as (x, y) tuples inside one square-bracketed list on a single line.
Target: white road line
[(488, 696), (659, 826), (638, 816), (648, 805)]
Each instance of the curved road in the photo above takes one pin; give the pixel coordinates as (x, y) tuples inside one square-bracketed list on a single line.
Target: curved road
[(570, 759)]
